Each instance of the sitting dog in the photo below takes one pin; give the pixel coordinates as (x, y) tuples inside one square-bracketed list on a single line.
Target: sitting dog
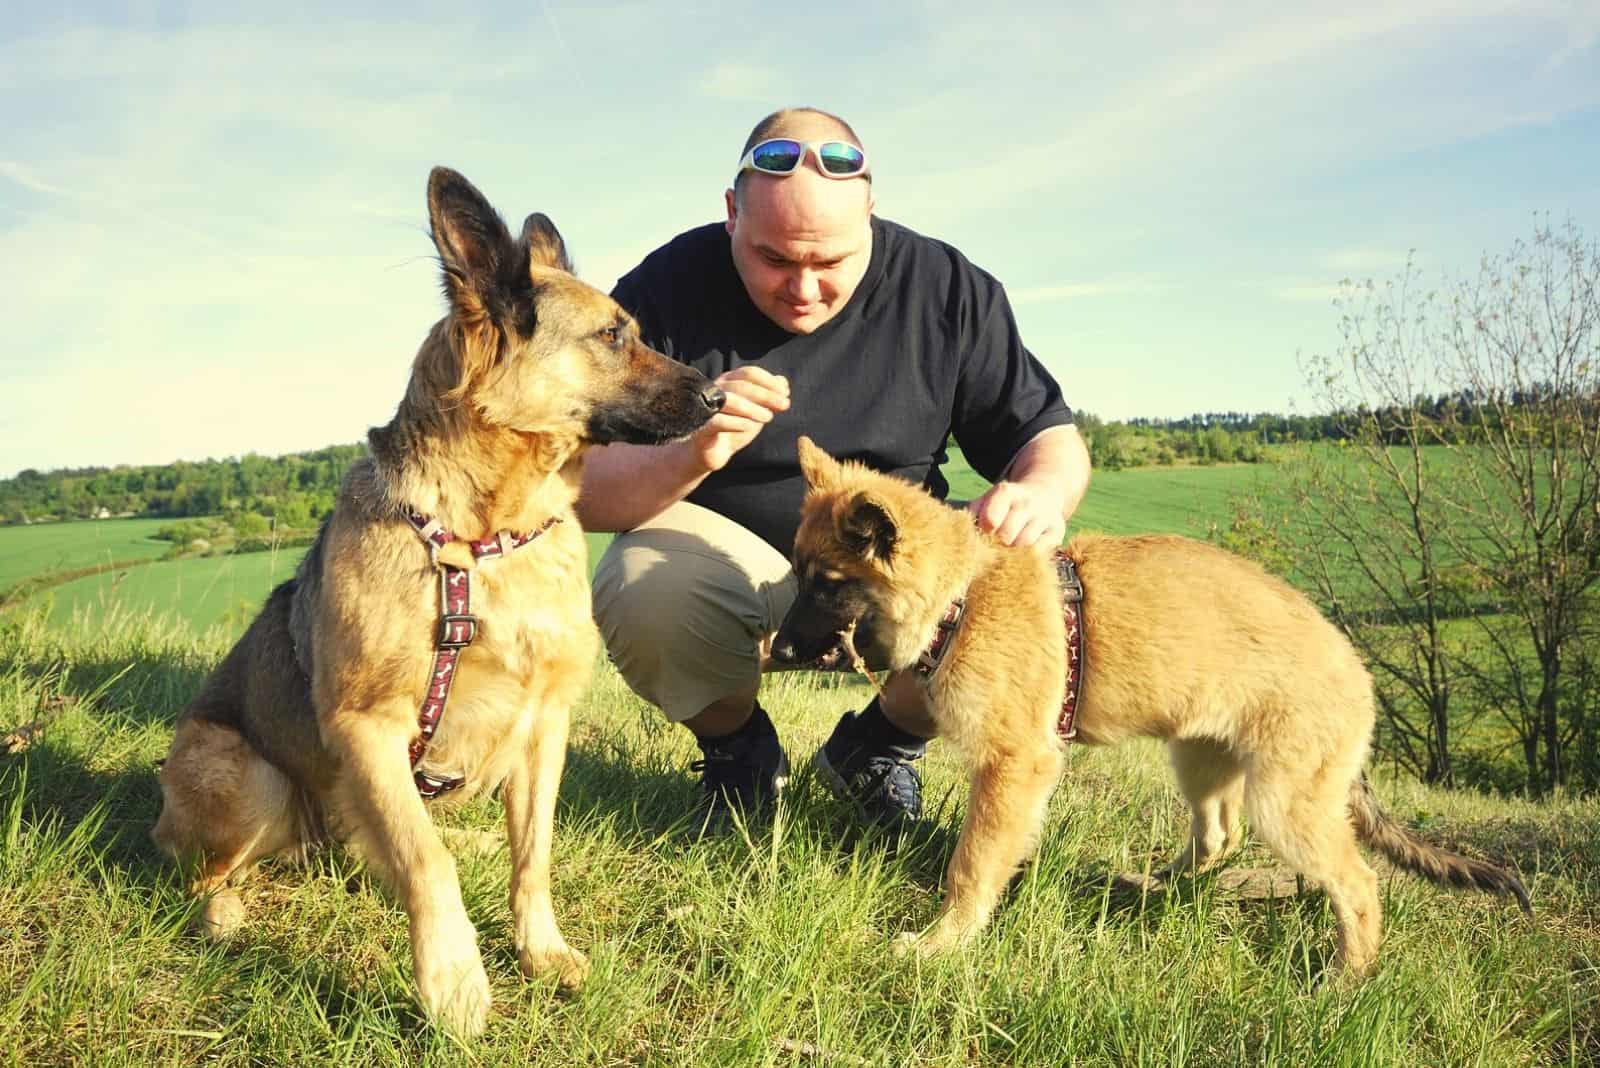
[(1265, 707), (452, 551)]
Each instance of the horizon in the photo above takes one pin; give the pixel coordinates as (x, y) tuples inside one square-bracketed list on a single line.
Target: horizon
[(220, 220)]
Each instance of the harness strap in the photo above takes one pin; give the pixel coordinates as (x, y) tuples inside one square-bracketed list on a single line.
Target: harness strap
[(928, 662), (1072, 612), (458, 627)]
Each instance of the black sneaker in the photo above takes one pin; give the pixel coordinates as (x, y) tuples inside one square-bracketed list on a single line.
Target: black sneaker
[(745, 770), (873, 774)]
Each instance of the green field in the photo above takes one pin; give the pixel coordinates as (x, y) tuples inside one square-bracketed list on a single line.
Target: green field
[(771, 949), (766, 949), (43, 548), (202, 592)]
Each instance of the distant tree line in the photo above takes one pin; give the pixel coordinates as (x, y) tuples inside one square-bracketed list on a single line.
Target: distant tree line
[(292, 492)]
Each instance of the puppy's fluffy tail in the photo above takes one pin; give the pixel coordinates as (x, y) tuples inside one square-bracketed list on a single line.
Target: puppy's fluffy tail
[(1406, 850)]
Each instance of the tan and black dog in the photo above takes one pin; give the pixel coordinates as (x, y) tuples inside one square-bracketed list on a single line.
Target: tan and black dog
[(450, 578), (1265, 707)]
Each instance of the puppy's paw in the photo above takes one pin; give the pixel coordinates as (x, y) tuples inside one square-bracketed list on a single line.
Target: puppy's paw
[(453, 987), (568, 965), (222, 915), (924, 944)]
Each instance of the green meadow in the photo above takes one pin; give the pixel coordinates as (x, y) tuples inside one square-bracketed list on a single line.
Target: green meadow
[(44, 548), (768, 947), (204, 592)]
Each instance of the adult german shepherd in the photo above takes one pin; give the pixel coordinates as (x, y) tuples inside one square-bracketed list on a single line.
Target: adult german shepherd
[(325, 719), (1264, 705)]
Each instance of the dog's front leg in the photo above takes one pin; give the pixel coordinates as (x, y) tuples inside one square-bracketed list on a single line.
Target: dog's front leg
[(387, 821), (529, 796), (1004, 813)]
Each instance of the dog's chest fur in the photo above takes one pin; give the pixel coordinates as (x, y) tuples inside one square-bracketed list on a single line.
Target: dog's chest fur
[(535, 649)]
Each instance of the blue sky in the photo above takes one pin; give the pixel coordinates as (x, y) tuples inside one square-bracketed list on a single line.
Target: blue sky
[(213, 231)]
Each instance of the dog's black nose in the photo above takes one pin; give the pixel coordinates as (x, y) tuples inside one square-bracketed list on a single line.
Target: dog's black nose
[(713, 397), (783, 650)]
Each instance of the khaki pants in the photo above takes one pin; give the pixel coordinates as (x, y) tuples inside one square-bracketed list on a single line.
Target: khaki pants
[(687, 604)]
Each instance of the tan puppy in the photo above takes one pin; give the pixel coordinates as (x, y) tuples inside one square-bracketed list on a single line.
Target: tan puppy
[(313, 725), (1265, 707)]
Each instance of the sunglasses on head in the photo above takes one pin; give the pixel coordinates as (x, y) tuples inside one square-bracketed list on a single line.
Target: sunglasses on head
[(783, 155)]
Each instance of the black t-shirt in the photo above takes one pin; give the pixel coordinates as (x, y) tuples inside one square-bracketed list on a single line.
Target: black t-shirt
[(925, 347)]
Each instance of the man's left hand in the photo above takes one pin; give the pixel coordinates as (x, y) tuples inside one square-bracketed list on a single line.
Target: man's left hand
[(1021, 513)]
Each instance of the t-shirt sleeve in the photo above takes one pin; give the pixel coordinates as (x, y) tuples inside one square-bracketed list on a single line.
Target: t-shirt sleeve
[(1004, 395)]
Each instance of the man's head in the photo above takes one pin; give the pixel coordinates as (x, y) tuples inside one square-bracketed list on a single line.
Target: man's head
[(801, 241)]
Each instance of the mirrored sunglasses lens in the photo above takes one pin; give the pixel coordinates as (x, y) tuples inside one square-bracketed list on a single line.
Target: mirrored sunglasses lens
[(776, 157), (838, 157)]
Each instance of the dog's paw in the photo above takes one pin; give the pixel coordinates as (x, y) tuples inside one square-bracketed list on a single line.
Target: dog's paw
[(924, 944), (568, 965), (454, 990), (222, 915)]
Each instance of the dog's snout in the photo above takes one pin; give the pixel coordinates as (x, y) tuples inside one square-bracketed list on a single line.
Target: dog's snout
[(713, 397), (783, 650)]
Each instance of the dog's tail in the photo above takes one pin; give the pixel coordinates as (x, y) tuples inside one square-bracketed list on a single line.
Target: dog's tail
[(1406, 850)]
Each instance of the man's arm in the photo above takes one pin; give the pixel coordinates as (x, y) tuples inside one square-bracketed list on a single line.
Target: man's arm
[(625, 485), (1040, 489)]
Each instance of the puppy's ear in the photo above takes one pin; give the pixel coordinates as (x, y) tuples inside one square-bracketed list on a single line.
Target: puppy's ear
[(868, 529), (545, 247), (820, 469)]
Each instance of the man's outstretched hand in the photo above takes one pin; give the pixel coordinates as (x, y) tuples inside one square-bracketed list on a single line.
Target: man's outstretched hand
[(754, 397)]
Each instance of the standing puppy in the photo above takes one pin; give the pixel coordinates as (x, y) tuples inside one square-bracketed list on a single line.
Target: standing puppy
[(438, 632), (1265, 707)]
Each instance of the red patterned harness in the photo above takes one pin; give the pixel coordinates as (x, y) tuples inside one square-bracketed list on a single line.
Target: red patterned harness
[(1072, 612), (457, 629)]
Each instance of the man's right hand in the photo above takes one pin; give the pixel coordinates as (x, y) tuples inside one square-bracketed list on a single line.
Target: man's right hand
[(754, 397)]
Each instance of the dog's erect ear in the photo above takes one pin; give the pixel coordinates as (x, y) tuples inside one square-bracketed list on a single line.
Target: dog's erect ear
[(817, 466), (472, 239), (545, 247), (867, 529)]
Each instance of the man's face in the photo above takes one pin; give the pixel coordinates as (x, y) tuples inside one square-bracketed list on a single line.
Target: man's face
[(801, 243)]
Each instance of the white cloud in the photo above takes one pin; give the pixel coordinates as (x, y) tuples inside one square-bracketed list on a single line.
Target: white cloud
[(26, 178)]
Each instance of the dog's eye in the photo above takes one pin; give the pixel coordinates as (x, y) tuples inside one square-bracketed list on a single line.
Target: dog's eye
[(611, 335)]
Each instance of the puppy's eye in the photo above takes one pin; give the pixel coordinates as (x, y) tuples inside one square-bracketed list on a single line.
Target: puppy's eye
[(611, 335)]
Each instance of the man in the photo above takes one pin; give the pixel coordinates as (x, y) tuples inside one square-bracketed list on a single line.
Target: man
[(816, 317)]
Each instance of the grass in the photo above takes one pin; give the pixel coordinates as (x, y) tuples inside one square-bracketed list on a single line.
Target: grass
[(43, 548), (766, 949)]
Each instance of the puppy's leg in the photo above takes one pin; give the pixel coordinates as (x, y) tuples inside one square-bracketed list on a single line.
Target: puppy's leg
[(1211, 778), (1302, 818), (1004, 814), (529, 795), (223, 808), (377, 806)]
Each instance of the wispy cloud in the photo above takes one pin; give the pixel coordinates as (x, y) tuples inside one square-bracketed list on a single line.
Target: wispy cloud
[(1366, 260), (1076, 291), (1317, 294), (738, 81), (26, 178)]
